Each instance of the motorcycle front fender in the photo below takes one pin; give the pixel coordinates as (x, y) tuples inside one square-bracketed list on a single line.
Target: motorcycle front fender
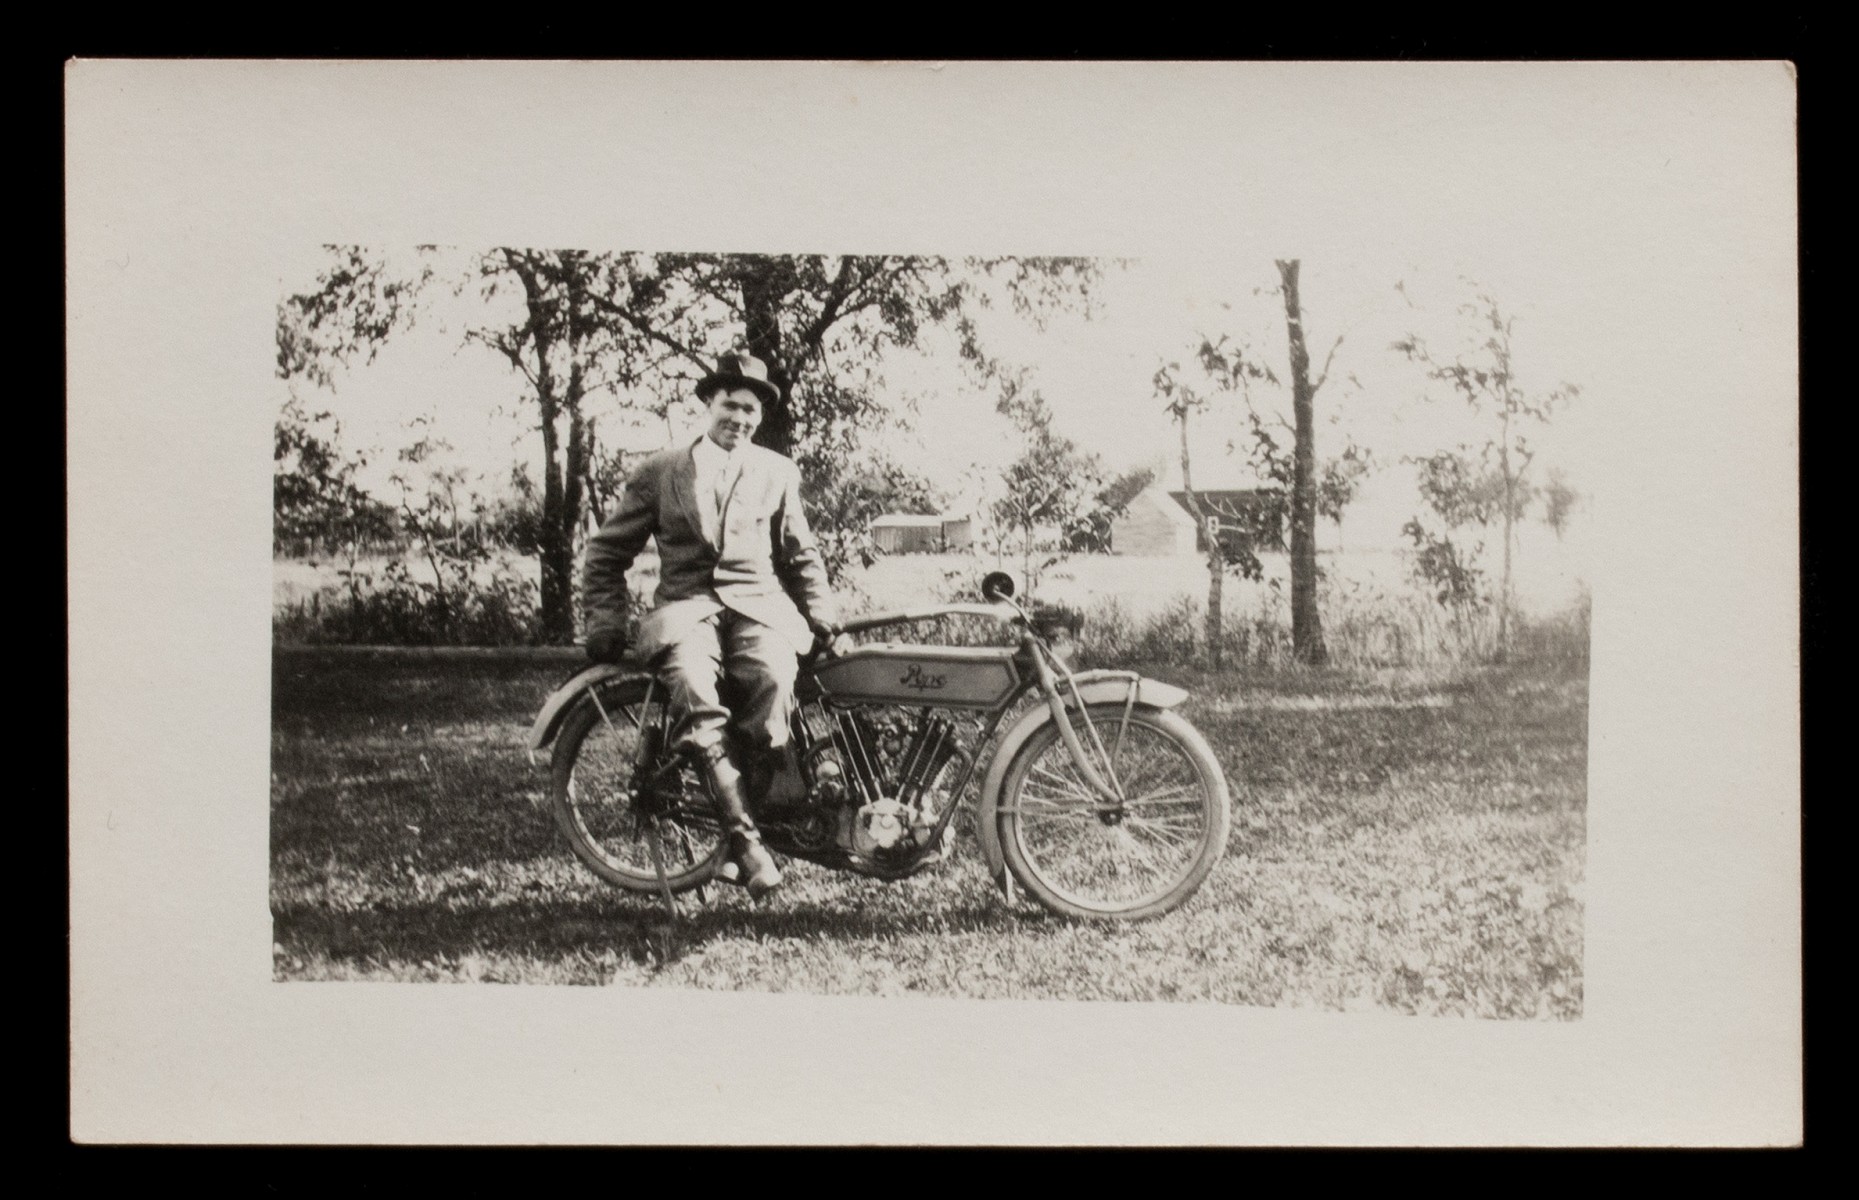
[(555, 708), (1094, 687)]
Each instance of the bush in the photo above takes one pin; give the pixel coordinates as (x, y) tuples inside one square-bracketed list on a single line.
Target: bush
[(391, 607), (1363, 628), (1560, 638)]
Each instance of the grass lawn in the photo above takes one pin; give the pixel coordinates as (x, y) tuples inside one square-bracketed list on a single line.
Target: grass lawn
[(1409, 841)]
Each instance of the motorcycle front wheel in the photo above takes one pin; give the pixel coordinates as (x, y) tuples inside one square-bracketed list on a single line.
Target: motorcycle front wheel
[(1080, 855), (616, 807)]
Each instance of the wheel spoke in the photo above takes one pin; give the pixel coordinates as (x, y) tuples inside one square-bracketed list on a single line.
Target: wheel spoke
[(606, 829), (1071, 783), (1174, 837), (1107, 859), (1144, 779), (1183, 793), (1062, 800)]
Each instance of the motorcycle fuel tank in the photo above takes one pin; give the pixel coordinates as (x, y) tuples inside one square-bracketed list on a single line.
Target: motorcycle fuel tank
[(946, 676)]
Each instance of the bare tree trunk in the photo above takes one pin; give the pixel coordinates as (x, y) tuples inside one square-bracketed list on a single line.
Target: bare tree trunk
[(1216, 584), (557, 549), (1209, 528), (574, 470), (1306, 624), (1510, 492)]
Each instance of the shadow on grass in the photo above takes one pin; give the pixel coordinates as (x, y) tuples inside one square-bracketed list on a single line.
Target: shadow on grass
[(635, 928), (1420, 849)]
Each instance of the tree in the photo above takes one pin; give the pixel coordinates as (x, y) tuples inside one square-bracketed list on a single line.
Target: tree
[(1341, 480), (1234, 368), (644, 328), (855, 498), (1181, 401), (434, 511), (566, 347), (1493, 478), (316, 503), (825, 324), (1306, 622), (549, 316), (1299, 491), (1559, 500), (1051, 484), (1089, 533)]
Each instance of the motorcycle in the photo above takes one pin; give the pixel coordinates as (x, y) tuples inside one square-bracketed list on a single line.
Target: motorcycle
[(1097, 798)]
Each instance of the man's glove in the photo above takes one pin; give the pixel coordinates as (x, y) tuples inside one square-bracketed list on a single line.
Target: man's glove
[(606, 645), (828, 640)]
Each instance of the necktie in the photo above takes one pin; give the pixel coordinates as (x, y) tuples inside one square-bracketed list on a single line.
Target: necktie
[(721, 483)]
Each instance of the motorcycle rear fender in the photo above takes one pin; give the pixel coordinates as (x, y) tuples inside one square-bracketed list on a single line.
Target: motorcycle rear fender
[(555, 708), (1095, 687)]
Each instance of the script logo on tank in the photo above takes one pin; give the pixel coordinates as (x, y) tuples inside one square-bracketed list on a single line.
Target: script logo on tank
[(915, 678)]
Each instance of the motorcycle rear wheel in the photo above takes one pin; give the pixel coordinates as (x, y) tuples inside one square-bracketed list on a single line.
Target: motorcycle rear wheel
[(1082, 857), (612, 827)]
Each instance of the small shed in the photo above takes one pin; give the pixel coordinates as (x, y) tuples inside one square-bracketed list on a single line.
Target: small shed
[(1153, 524), (914, 533)]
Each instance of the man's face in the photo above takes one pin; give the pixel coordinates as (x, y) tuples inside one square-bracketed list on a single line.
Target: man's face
[(735, 414)]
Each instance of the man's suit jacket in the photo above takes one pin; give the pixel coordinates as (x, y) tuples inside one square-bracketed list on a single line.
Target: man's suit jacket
[(762, 562)]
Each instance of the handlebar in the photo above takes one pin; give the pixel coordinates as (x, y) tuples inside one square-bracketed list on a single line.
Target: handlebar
[(903, 616)]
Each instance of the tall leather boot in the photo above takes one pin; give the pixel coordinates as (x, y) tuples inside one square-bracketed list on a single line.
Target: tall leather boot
[(771, 778), (757, 867)]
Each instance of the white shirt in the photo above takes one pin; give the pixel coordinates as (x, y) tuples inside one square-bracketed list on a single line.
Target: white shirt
[(717, 469)]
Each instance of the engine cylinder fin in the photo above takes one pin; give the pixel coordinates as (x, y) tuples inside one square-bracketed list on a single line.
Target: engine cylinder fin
[(932, 736), (906, 771), (858, 765)]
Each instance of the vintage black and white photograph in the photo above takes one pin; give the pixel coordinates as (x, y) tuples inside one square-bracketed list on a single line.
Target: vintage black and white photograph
[(1067, 628), (903, 603)]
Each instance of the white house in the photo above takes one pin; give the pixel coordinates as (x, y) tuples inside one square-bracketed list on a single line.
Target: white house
[(1153, 524)]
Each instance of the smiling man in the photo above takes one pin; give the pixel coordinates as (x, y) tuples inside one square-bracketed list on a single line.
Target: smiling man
[(742, 592)]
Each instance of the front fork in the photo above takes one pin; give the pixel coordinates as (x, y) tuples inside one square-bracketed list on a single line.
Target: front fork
[(1105, 781)]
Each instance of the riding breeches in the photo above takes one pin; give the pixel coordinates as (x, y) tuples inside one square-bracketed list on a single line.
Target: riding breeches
[(726, 650)]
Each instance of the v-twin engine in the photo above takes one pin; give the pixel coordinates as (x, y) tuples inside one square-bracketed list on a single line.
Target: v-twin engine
[(881, 778)]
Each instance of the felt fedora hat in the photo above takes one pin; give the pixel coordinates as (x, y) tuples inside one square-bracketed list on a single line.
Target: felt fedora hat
[(736, 369)]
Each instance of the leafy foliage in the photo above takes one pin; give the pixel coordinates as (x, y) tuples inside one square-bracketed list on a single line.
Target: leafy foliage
[(590, 332), (387, 604), (1228, 367), (841, 511), (1089, 532), (1492, 482), (1051, 488), (1444, 567), (316, 503), (1460, 488), (356, 305), (1340, 481), (1559, 501)]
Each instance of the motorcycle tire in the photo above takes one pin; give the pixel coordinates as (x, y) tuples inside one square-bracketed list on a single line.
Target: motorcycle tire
[(1084, 858), (591, 794)]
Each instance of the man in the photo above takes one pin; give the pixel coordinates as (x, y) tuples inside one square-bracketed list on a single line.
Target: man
[(742, 592)]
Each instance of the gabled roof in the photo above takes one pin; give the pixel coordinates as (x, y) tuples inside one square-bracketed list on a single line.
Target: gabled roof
[(1156, 500), (1231, 500)]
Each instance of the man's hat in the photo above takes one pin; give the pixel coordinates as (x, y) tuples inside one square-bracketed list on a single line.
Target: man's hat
[(736, 369)]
